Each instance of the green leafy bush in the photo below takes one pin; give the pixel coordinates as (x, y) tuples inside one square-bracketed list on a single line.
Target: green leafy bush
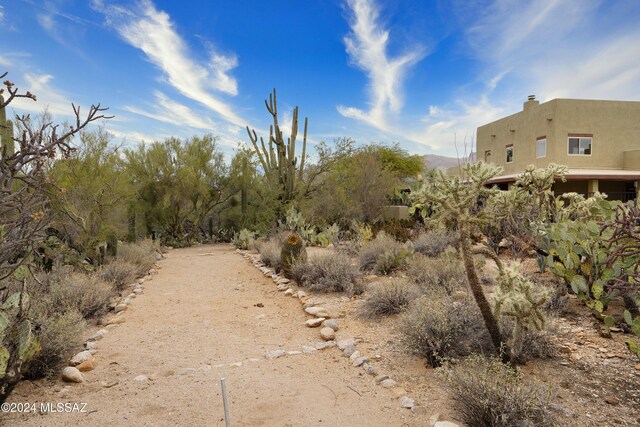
[(328, 273), (388, 298), (245, 239), (488, 393)]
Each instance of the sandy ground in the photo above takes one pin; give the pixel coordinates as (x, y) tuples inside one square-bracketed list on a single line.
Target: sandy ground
[(211, 310), (201, 311)]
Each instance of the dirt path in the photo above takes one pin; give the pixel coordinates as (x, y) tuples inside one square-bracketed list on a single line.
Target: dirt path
[(202, 312)]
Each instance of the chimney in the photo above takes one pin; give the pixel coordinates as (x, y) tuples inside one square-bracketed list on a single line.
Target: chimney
[(531, 102)]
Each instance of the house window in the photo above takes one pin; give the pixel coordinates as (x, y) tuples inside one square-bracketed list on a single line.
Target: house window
[(580, 145), (541, 147), (509, 153)]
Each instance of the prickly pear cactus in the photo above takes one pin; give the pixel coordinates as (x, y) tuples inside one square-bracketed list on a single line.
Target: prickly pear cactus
[(293, 250), (17, 343)]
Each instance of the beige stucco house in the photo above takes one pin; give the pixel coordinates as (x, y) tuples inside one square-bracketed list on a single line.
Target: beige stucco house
[(598, 140)]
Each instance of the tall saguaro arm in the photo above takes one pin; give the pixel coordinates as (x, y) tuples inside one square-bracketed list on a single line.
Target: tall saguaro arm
[(278, 159)]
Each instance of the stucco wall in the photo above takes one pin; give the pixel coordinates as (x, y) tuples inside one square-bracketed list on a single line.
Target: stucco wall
[(615, 126)]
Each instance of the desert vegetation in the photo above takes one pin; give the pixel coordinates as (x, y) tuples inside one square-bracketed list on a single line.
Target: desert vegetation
[(81, 218)]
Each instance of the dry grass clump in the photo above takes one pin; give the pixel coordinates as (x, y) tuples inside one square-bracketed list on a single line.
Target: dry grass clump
[(433, 242), (142, 254), (488, 393), (328, 273), (59, 334), (270, 252), (83, 292), (119, 273), (440, 327), (390, 298), (384, 254), (445, 273)]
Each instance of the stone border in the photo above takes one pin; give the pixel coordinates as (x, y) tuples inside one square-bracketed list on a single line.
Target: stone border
[(85, 361), (322, 317)]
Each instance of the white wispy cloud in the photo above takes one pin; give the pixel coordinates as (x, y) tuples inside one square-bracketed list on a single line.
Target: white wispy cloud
[(152, 31), (170, 111), (367, 46), (131, 137), (568, 48), (48, 96), (66, 29), (551, 48)]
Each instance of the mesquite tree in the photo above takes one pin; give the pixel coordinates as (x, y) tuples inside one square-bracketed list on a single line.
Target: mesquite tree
[(24, 190), (284, 173)]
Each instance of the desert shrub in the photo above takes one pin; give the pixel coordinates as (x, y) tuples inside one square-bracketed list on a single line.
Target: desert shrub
[(59, 334), (489, 393), (245, 239), (119, 273), (393, 260), (402, 230), (328, 273), (440, 327), (142, 254), (270, 251), (388, 298), (384, 254), (432, 243), (82, 292), (445, 273)]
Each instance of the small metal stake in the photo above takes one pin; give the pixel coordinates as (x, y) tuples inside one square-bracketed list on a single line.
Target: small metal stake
[(224, 401)]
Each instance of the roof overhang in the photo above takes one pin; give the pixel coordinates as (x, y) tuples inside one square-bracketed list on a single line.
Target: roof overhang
[(582, 174)]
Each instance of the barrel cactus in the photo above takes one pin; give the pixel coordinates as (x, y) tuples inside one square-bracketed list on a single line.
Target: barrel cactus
[(293, 251)]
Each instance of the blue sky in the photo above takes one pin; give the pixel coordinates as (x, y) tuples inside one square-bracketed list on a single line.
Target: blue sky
[(423, 73)]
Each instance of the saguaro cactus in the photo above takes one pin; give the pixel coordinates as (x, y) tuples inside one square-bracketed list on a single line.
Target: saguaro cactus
[(6, 132), (279, 161)]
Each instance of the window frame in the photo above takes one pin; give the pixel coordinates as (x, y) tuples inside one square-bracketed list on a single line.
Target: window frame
[(538, 141), (507, 148), (579, 136)]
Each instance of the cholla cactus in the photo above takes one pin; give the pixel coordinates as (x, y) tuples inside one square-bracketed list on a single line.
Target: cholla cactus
[(456, 202), (519, 299)]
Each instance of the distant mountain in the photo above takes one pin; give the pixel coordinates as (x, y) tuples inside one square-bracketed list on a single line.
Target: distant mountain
[(434, 161)]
